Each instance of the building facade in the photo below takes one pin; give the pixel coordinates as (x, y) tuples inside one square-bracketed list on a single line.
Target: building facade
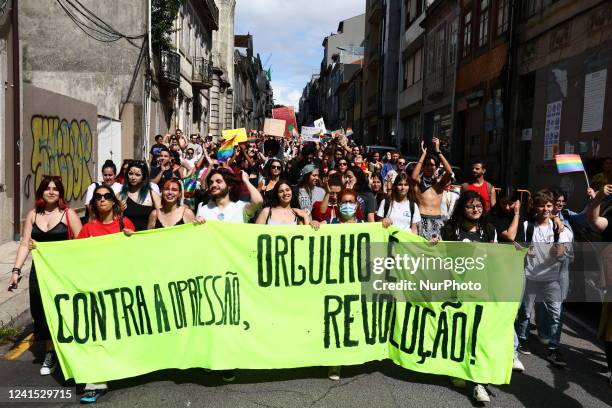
[(180, 96), (562, 83)]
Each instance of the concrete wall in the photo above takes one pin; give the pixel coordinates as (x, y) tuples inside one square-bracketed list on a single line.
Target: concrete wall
[(352, 36)]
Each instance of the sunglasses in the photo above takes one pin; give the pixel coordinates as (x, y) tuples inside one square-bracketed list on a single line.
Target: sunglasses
[(401, 163), (343, 164), (276, 167), (474, 207), (106, 196)]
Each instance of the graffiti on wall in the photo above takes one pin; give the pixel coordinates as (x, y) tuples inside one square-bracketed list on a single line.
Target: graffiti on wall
[(61, 148)]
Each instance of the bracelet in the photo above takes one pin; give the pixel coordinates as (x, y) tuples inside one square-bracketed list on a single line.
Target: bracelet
[(17, 271)]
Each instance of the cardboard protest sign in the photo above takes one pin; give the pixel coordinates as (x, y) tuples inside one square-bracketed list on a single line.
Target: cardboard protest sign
[(311, 134), (266, 295), (275, 127), (237, 135), (286, 113), (320, 123)]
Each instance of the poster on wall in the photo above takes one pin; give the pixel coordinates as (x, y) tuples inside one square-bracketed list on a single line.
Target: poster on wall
[(594, 101), (552, 129)]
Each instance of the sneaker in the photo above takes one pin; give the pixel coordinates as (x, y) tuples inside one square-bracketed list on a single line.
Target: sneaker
[(556, 358), (228, 375), (50, 363), (517, 365), (458, 382), (334, 373), (91, 396), (480, 393), (523, 347)]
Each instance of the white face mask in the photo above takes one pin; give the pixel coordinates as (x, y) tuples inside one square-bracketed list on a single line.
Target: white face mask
[(347, 210)]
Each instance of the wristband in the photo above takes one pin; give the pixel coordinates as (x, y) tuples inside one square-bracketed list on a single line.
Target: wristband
[(17, 271)]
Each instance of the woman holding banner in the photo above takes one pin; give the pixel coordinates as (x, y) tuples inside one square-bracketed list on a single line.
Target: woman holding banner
[(281, 211), (139, 200), (50, 220), (108, 219), (468, 223), (171, 212)]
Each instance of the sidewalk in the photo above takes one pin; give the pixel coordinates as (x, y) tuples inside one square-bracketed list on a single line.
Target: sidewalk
[(16, 304)]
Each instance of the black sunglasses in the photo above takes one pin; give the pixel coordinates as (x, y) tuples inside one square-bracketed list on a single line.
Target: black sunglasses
[(106, 196), (276, 167), (343, 164)]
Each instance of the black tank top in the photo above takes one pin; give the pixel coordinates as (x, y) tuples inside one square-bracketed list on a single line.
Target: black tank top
[(138, 214), (58, 233), (158, 224)]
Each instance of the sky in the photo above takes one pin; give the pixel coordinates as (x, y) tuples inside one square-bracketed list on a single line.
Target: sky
[(292, 31)]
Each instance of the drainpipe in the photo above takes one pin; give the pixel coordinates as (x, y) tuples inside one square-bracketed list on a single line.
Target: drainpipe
[(16, 123), (148, 85)]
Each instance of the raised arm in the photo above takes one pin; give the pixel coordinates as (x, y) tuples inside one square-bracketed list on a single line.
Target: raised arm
[(256, 198), (448, 170), (596, 221), (416, 172)]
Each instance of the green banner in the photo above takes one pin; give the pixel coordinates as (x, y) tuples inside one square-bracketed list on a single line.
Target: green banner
[(225, 296)]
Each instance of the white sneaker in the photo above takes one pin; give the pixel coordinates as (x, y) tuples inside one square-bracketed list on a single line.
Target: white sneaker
[(517, 365), (334, 373), (50, 363), (481, 394)]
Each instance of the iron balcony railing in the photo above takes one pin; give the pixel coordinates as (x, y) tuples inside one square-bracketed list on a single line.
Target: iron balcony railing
[(202, 76), (170, 68)]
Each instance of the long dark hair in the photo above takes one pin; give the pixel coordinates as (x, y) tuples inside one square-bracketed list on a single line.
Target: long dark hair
[(145, 187), (458, 218), (361, 186), (267, 171), (115, 200), (275, 202), (398, 179), (39, 202)]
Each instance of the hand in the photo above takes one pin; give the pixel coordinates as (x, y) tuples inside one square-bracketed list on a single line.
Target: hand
[(14, 282), (531, 252), (165, 166), (244, 176), (32, 244), (423, 149), (558, 250), (434, 240), (591, 193), (436, 144), (315, 225), (128, 232), (517, 207), (325, 185), (607, 190), (122, 205), (386, 222), (560, 225), (199, 221)]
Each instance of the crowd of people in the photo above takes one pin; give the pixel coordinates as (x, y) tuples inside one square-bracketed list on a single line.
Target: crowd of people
[(274, 181)]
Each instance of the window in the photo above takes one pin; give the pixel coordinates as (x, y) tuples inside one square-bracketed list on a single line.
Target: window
[(467, 33), (483, 29), (406, 14), (414, 8), (412, 69), (502, 17), (440, 47), (452, 39)]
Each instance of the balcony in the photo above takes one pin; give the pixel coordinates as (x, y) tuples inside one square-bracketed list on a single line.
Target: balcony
[(249, 104), (209, 13), (202, 76), (376, 11), (170, 68)]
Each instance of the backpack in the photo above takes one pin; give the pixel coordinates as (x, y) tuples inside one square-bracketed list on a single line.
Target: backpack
[(531, 229), (387, 208)]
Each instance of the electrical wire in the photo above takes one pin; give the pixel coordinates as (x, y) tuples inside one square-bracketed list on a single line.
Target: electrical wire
[(93, 26)]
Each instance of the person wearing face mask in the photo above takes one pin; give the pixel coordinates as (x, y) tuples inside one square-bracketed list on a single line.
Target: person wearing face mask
[(171, 212), (429, 189), (281, 211), (109, 173), (327, 210), (347, 208), (308, 190), (138, 199)]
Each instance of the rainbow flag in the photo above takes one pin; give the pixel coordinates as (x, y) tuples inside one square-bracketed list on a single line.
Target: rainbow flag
[(252, 137), (349, 132), (294, 132), (569, 163), (226, 150)]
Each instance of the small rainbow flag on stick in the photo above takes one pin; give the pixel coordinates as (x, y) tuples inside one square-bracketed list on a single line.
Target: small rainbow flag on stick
[(571, 163), (226, 150)]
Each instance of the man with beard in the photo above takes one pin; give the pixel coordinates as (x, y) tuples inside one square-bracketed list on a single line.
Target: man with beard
[(478, 184), (429, 189), (224, 191)]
